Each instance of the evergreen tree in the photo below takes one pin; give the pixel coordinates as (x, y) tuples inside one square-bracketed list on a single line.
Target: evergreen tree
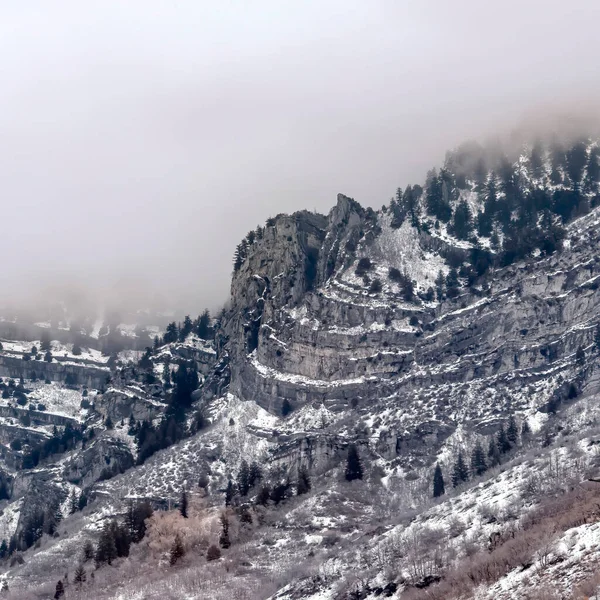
[(502, 441), (439, 488), (512, 431), (264, 495), (580, 356), (183, 504), (440, 282), (462, 222), (88, 551), (452, 283), (597, 337), (73, 502), (460, 471), (304, 484), (229, 493), (106, 551), (171, 333), (224, 540), (45, 342), (255, 474), (60, 590), (239, 257), (3, 549), (525, 430), (80, 575), (177, 550), (354, 468), (243, 479), (135, 520), (186, 328), (203, 328), (478, 463)]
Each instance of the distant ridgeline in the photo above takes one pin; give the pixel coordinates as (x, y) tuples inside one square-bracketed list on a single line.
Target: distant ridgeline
[(491, 208), (504, 209)]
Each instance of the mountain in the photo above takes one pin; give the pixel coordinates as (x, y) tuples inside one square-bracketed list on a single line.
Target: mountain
[(397, 403)]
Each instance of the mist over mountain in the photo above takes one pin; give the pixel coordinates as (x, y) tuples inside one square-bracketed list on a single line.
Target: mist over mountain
[(144, 140), (300, 302)]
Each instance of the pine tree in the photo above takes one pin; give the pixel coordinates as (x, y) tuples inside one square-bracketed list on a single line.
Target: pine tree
[(177, 550), (203, 327), (183, 504), (304, 484), (460, 471), (73, 503), (512, 431), (135, 520), (3, 549), (224, 540), (525, 430), (45, 342), (264, 495), (597, 337), (106, 551), (439, 488), (80, 575), (229, 493), (478, 463), (88, 551), (493, 453), (243, 479), (108, 423), (580, 356), (502, 441), (255, 474), (60, 590), (354, 468)]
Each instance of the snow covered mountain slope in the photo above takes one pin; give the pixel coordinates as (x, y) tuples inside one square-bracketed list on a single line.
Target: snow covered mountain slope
[(457, 328)]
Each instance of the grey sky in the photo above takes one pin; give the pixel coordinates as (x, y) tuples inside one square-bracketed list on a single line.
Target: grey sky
[(141, 140)]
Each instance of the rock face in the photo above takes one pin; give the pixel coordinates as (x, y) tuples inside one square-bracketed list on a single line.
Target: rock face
[(55, 371), (302, 337)]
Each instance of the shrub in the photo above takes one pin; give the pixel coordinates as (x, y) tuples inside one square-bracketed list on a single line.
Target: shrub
[(395, 274), (376, 286), (213, 553), (41, 407), (364, 265)]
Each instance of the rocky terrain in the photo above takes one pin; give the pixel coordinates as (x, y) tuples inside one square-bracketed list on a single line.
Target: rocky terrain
[(461, 315)]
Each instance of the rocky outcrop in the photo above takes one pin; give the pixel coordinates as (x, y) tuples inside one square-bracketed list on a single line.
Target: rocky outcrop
[(101, 459), (81, 374)]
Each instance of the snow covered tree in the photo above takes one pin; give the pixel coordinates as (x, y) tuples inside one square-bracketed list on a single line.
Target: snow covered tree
[(439, 487), (354, 468)]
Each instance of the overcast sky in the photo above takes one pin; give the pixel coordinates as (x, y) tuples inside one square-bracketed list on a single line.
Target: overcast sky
[(141, 140)]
